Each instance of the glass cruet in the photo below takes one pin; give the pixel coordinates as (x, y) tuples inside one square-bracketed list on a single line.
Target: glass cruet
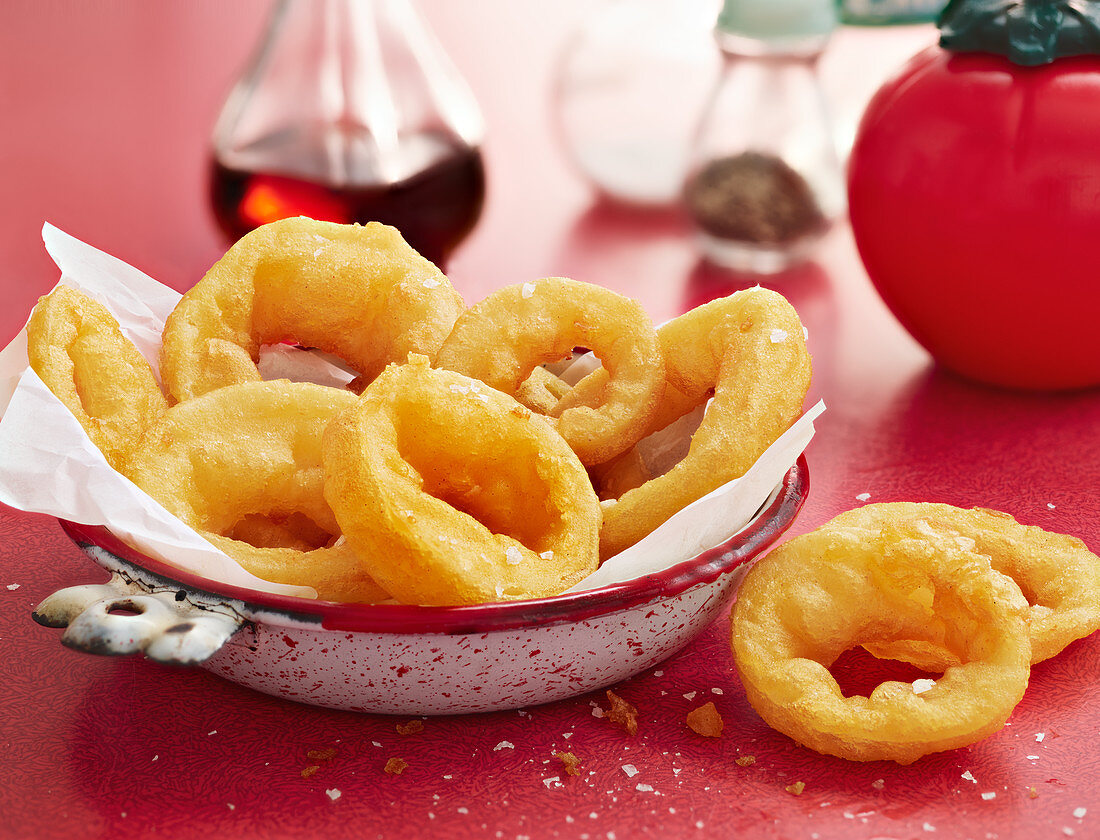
[(764, 183), (350, 111)]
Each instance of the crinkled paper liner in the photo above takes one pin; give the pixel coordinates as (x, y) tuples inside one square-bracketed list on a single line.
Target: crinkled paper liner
[(48, 465)]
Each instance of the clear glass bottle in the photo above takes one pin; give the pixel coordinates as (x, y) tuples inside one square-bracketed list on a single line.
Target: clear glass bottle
[(630, 84), (350, 111), (765, 182)]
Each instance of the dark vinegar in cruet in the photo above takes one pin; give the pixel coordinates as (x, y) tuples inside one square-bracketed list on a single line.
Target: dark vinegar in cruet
[(434, 208)]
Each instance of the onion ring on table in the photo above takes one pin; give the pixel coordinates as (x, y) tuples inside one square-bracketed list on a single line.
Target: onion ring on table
[(454, 493), (358, 292), (505, 337), (822, 593), (248, 450), (748, 350), (1057, 573), (78, 350)]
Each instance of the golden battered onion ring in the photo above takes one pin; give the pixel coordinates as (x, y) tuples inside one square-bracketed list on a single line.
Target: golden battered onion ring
[(749, 351), (505, 337), (78, 350), (358, 292), (822, 593), (1058, 575), (254, 449), (454, 493)]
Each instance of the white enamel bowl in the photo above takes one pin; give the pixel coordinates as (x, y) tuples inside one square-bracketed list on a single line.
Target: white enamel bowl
[(394, 659)]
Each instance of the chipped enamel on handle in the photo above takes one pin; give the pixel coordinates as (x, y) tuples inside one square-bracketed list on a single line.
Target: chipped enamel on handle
[(121, 617)]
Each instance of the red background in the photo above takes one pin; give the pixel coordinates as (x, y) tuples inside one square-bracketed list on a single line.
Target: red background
[(107, 108)]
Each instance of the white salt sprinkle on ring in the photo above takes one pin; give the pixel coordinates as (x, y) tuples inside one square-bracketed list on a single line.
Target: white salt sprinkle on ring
[(247, 456), (1057, 573), (358, 292), (77, 349), (503, 339), (453, 493), (822, 593)]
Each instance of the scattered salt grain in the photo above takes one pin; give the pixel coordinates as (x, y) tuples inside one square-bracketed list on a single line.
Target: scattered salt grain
[(1039, 736), (376, 743), (778, 336), (1050, 505), (929, 827), (513, 556), (552, 781), (863, 497), (1080, 812), (212, 732), (504, 745), (878, 784), (463, 810), (989, 794), (630, 770), (13, 586), (716, 691), (1033, 758), (230, 806), (690, 695), (658, 673), (432, 283), (527, 290), (921, 686), (969, 777), (644, 788), (597, 712), (333, 794)]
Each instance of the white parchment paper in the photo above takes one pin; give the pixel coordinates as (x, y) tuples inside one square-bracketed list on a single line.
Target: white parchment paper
[(48, 465)]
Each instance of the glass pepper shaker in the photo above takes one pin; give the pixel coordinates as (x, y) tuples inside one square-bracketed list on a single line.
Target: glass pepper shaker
[(765, 181), (350, 111)]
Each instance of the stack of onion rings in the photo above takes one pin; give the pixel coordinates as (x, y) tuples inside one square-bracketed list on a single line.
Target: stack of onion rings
[(245, 459), (454, 493), (358, 292), (78, 350)]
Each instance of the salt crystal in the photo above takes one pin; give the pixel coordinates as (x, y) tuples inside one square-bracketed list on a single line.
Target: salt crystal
[(699, 824), (1050, 505), (333, 794), (13, 586), (644, 788), (463, 810), (716, 691), (863, 496), (212, 732), (878, 784), (778, 336), (376, 743), (969, 777), (989, 794), (658, 673), (504, 745), (513, 555), (553, 780), (527, 290), (1040, 736), (929, 827), (597, 712), (921, 686), (1080, 812), (630, 770), (690, 695), (1033, 757), (1066, 830), (432, 283), (230, 806), (448, 776), (567, 735), (676, 771)]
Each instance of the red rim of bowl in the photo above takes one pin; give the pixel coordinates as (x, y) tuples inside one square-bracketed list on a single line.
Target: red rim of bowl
[(481, 618)]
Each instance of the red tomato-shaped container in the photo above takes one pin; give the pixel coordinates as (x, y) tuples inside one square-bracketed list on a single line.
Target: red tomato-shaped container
[(974, 193)]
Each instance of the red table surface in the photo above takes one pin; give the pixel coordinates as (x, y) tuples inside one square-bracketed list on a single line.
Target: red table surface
[(106, 112)]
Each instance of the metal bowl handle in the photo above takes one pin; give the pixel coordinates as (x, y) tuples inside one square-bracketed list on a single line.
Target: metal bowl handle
[(120, 617)]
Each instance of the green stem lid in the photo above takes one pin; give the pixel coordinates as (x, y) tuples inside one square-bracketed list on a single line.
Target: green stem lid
[(1026, 32)]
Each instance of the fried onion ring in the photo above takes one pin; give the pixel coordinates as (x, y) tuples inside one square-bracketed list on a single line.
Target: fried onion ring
[(77, 349), (358, 292), (748, 351), (1057, 573), (822, 593), (251, 450), (454, 493), (506, 336)]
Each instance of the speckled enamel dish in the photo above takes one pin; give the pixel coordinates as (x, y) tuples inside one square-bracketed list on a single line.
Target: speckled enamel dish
[(395, 659)]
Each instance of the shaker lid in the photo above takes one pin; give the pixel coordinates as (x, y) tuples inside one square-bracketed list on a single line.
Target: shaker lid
[(1027, 32), (777, 21)]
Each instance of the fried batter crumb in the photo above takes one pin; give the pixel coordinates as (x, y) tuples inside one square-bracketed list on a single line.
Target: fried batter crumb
[(795, 788), (622, 714), (745, 760), (1032, 793), (395, 766), (706, 721), (322, 755), (410, 728), (309, 771), (571, 762)]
